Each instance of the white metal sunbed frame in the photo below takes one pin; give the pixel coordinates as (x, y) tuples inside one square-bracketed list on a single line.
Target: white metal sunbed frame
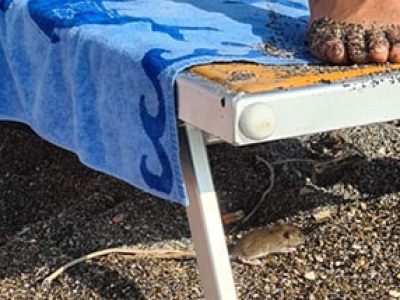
[(208, 109)]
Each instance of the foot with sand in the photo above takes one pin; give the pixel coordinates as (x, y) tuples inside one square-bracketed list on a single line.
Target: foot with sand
[(355, 31)]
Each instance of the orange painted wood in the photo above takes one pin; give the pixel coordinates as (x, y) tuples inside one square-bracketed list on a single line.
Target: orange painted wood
[(253, 78)]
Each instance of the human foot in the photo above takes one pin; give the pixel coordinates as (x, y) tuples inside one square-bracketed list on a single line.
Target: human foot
[(356, 31)]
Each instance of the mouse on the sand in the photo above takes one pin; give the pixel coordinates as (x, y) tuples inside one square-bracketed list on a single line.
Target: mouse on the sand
[(264, 241)]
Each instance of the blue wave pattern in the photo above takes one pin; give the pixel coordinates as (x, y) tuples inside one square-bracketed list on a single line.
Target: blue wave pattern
[(155, 125), (151, 124), (51, 15), (5, 4)]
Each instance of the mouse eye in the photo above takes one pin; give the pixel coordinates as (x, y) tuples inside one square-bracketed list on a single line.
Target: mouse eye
[(286, 234)]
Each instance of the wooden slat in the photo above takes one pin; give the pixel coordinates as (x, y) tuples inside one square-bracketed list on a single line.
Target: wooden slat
[(253, 78)]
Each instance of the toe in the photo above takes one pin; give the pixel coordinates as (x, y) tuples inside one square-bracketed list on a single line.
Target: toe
[(358, 55), (325, 38), (394, 55), (335, 52), (378, 46), (332, 51), (393, 35), (357, 47)]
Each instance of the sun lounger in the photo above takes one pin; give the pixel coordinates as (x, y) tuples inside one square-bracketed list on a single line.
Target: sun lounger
[(244, 104), (98, 78)]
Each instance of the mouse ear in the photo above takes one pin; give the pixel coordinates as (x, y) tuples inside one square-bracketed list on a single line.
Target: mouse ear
[(286, 234)]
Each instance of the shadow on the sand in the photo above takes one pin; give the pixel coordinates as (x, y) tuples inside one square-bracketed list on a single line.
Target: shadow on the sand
[(372, 178), (53, 209)]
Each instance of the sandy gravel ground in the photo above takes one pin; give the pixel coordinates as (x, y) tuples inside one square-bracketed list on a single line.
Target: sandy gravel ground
[(53, 209)]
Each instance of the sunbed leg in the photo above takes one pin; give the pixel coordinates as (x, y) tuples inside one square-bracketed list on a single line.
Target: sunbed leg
[(205, 218)]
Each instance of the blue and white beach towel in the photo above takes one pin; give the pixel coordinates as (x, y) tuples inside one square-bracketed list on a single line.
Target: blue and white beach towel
[(97, 77)]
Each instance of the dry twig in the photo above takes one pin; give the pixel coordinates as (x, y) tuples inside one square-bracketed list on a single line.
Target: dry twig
[(158, 254), (263, 197)]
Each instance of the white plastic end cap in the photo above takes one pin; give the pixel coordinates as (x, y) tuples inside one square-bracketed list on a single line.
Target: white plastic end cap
[(257, 121)]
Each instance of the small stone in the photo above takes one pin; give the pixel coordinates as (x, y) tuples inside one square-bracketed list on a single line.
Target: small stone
[(346, 195), (363, 206), (361, 263), (274, 279), (310, 275), (233, 217), (346, 287), (305, 191), (319, 258), (376, 248), (382, 150), (322, 214), (118, 218), (373, 274), (351, 213), (398, 276), (255, 295), (394, 294)]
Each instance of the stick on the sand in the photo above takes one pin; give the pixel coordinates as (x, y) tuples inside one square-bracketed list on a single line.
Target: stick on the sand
[(159, 254)]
